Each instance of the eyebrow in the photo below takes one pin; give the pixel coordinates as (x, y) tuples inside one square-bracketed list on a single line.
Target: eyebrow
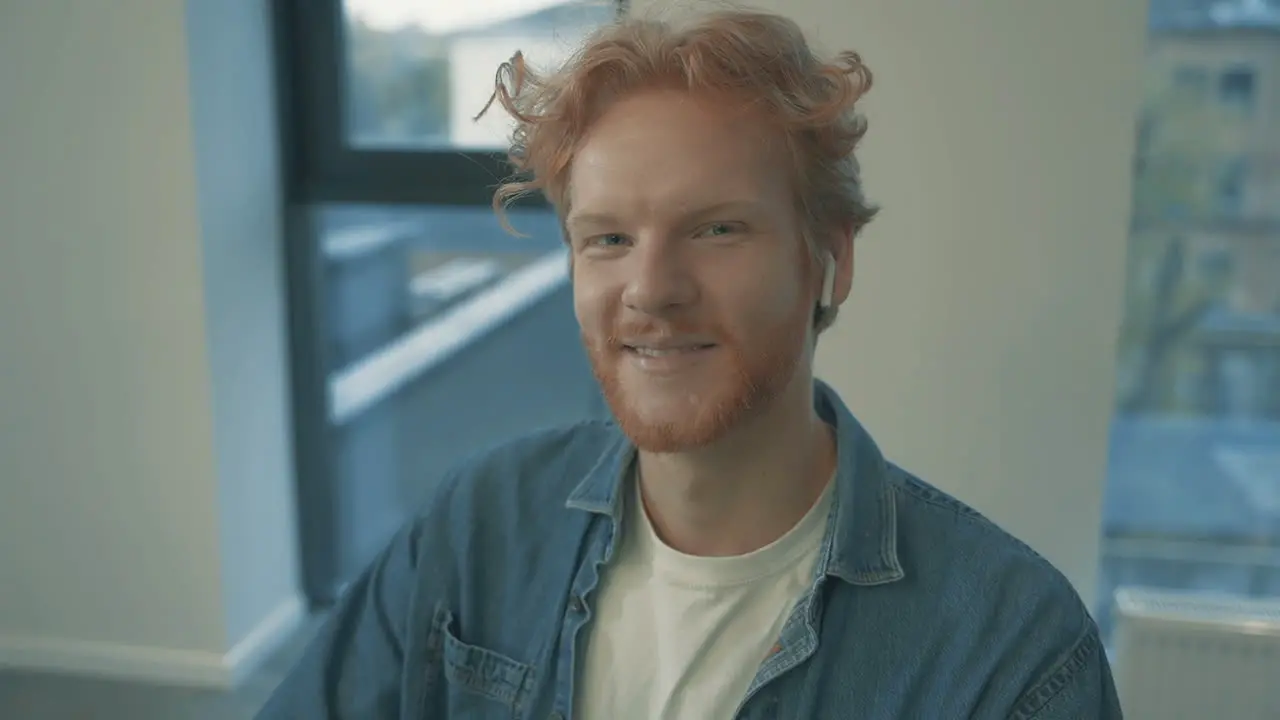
[(607, 218)]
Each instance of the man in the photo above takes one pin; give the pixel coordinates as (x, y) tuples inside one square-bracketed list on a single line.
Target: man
[(734, 546)]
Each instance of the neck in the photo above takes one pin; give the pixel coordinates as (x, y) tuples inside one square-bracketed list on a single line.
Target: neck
[(747, 489)]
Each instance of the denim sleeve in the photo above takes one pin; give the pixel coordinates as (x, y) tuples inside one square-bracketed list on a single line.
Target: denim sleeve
[(353, 669), (1078, 686)]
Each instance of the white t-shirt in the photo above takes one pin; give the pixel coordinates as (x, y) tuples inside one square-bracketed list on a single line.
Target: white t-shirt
[(678, 636)]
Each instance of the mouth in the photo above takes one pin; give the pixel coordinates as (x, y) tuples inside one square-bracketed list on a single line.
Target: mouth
[(661, 352)]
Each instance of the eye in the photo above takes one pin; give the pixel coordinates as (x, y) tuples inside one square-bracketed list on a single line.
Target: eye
[(720, 229), (607, 240)]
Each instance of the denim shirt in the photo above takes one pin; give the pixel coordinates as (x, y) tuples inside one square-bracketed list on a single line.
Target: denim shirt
[(919, 607)]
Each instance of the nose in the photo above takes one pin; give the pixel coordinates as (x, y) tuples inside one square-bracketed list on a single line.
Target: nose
[(659, 279)]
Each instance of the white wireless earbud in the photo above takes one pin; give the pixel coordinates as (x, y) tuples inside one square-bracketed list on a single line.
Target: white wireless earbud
[(828, 282)]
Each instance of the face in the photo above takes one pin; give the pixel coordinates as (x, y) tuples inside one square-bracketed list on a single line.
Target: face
[(692, 285)]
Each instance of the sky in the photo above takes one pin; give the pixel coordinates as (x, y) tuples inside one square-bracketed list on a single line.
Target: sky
[(440, 16)]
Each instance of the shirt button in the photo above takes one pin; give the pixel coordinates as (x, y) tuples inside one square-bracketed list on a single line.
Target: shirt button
[(578, 607)]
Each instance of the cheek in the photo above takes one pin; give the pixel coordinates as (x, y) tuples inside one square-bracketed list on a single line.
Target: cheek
[(582, 310), (774, 300), (590, 304)]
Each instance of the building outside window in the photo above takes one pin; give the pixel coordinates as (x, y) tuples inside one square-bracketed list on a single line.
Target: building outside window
[(1193, 489)]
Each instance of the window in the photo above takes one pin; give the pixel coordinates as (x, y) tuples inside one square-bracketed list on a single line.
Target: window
[(1231, 183), (1236, 88), (417, 72), (421, 331), (1193, 488)]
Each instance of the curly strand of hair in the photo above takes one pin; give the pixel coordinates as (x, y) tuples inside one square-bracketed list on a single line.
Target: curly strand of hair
[(508, 83), (850, 64), (838, 86)]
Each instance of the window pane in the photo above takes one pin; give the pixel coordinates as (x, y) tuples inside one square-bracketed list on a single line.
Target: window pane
[(1193, 495), (445, 335), (1235, 89), (418, 71), (389, 270)]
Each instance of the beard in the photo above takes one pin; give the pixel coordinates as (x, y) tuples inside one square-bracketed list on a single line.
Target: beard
[(698, 406)]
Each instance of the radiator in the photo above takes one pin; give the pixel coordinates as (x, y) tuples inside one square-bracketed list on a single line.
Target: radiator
[(1185, 656)]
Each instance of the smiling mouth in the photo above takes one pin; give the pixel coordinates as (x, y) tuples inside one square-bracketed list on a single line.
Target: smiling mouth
[(653, 352)]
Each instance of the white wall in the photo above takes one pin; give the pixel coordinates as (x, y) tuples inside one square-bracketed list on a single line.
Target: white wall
[(978, 346), (122, 467)]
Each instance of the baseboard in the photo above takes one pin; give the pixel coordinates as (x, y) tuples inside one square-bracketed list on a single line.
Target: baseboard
[(157, 665), (264, 639), (115, 661)]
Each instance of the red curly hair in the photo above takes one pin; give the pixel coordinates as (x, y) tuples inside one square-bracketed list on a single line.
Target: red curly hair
[(759, 60)]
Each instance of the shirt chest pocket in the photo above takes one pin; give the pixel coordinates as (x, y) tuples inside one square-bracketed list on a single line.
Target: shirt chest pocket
[(469, 681)]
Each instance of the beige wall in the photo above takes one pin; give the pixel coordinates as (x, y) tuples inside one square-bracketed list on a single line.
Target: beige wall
[(146, 520), (104, 397), (979, 343)]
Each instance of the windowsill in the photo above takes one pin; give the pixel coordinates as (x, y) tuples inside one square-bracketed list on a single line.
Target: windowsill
[(370, 380)]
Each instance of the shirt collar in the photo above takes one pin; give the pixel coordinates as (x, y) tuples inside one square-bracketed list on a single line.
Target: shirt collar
[(861, 547)]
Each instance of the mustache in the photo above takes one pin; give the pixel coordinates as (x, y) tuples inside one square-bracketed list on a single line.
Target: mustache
[(661, 330)]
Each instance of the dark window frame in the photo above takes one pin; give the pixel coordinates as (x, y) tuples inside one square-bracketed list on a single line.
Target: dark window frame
[(319, 169)]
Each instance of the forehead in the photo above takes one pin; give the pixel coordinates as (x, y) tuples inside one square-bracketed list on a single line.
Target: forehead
[(667, 151)]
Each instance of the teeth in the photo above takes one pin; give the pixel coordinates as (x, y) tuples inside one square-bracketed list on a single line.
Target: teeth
[(663, 352)]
